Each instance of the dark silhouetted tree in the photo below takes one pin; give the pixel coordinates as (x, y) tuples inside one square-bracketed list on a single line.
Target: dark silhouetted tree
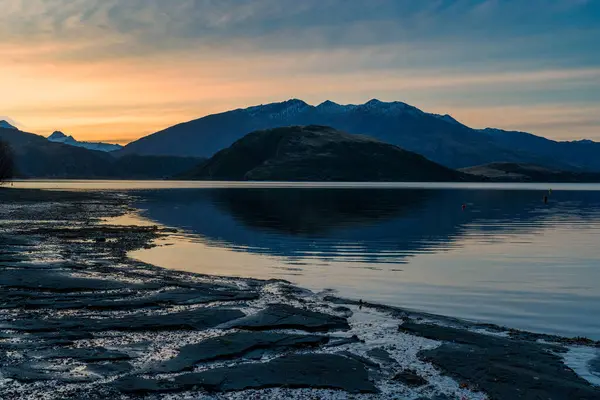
[(7, 162)]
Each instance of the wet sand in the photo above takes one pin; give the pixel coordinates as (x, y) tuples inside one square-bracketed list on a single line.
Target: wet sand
[(79, 319)]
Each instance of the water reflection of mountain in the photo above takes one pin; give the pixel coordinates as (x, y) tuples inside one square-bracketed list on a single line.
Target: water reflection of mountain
[(371, 225)]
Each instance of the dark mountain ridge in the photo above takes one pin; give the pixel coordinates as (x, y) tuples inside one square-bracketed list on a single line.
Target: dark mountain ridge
[(36, 157), (318, 153), (439, 138), (515, 172)]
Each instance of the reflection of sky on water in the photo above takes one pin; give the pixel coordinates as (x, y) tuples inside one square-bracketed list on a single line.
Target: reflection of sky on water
[(508, 258), (359, 225)]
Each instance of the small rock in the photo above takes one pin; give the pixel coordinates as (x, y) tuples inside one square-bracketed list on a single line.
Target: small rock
[(282, 316), (110, 369), (361, 359), (410, 378), (381, 355), (345, 311), (343, 341), (322, 371)]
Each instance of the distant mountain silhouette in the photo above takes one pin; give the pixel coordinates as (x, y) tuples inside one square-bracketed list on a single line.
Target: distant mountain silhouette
[(573, 155), (318, 153), (59, 137), (6, 125), (514, 172), (440, 138), (36, 157)]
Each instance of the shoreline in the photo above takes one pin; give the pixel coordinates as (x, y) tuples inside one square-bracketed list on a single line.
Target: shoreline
[(125, 185), (83, 320)]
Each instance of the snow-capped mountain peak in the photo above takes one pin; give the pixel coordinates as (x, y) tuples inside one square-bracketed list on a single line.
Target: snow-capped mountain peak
[(293, 107), (59, 137), (329, 106), (447, 118), (394, 107), (278, 110), (374, 103), (5, 125), (56, 135)]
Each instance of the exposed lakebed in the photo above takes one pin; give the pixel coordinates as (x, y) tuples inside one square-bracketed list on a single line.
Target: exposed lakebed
[(80, 319)]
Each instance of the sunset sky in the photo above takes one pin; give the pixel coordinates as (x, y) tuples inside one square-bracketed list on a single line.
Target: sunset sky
[(116, 70)]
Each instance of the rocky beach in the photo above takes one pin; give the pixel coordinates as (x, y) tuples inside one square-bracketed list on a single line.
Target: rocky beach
[(79, 319)]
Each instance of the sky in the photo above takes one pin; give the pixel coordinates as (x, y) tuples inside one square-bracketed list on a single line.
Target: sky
[(117, 70)]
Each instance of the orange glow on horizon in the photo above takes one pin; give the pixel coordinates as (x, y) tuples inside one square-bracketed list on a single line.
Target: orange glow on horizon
[(122, 99)]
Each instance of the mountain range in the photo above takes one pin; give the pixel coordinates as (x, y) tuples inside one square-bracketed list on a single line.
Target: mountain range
[(516, 172), (59, 137), (177, 151), (440, 138), (36, 157)]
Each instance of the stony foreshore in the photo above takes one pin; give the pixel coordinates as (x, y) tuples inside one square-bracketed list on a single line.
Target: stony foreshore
[(81, 320)]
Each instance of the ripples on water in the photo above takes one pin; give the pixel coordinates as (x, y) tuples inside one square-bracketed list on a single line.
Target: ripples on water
[(508, 258)]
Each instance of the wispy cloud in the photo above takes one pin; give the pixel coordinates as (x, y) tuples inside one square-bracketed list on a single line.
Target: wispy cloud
[(146, 26), (108, 67)]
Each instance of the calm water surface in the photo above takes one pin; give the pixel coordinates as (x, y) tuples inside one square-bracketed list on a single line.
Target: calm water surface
[(508, 258)]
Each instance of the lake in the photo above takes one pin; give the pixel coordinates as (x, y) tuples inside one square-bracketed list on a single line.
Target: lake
[(506, 258)]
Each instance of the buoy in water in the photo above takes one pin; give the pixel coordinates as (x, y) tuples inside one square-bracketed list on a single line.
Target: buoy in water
[(464, 207)]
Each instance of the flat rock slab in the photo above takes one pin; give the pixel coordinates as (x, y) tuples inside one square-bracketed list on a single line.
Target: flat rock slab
[(109, 369), (410, 378), (89, 354), (62, 335), (9, 258), (382, 356), (281, 316), (6, 240), (175, 297), (33, 299), (27, 372), (198, 319), (235, 345), (501, 367), (324, 371), (41, 340), (336, 342), (53, 281), (115, 301), (363, 360)]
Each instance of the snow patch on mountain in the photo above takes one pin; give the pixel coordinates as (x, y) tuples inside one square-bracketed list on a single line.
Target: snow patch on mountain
[(389, 108), (446, 118), (329, 107), (281, 110), (5, 125), (295, 107), (59, 137)]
